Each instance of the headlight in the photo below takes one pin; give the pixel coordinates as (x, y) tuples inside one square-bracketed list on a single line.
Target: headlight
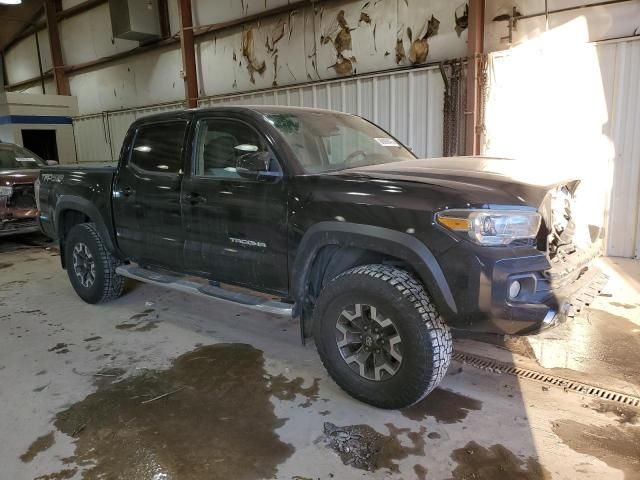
[(6, 191), (36, 192), (492, 227)]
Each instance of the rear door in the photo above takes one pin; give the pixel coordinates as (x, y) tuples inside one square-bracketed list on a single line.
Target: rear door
[(236, 227), (146, 195)]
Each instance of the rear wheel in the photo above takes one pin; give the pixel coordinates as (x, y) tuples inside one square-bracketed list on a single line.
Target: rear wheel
[(90, 265), (380, 337)]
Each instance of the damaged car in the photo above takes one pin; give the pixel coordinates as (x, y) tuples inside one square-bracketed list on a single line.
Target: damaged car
[(19, 169)]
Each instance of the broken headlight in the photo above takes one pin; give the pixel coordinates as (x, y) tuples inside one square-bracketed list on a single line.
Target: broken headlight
[(6, 191), (492, 227)]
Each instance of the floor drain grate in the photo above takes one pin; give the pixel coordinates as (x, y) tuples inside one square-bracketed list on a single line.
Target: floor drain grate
[(578, 387)]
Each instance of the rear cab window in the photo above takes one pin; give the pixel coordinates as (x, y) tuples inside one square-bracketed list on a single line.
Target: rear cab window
[(157, 147)]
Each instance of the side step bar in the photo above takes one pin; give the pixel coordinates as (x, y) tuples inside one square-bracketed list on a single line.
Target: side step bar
[(206, 291)]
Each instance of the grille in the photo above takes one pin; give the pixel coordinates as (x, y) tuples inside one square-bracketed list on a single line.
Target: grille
[(23, 197), (541, 377)]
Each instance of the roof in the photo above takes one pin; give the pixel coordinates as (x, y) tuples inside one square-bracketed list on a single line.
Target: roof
[(261, 109)]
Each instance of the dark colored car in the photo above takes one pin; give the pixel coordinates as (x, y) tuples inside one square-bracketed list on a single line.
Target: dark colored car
[(19, 169), (328, 218)]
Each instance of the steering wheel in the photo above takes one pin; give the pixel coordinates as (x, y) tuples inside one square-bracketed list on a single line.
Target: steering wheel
[(353, 155)]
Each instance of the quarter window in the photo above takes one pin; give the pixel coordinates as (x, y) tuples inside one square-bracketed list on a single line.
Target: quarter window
[(158, 147)]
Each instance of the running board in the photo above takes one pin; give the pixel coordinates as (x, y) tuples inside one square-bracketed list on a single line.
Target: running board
[(178, 284)]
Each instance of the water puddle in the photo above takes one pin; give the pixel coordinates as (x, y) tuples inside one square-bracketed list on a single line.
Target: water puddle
[(444, 405), (618, 447), (597, 343), (495, 463), (626, 415), (364, 448), (38, 446), (208, 416)]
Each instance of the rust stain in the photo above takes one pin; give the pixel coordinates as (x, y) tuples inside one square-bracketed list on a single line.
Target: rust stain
[(338, 34), (248, 52), (462, 21)]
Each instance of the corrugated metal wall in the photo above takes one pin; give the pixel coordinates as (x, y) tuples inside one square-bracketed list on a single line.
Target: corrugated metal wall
[(620, 63), (575, 108), (407, 103)]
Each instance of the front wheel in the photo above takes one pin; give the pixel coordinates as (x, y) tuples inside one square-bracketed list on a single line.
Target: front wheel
[(90, 265), (380, 337)]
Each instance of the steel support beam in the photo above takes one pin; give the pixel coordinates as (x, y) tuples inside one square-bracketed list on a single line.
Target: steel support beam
[(475, 50), (59, 75), (188, 53)]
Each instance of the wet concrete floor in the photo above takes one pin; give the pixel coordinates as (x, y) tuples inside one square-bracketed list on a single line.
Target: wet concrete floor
[(213, 391)]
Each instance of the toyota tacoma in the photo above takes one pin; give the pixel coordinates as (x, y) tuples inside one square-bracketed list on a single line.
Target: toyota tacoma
[(326, 217)]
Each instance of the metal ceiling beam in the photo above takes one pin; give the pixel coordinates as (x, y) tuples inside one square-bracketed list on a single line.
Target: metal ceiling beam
[(475, 52), (187, 46), (59, 75)]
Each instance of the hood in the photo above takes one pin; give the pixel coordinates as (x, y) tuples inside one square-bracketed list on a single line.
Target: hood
[(14, 177), (499, 180)]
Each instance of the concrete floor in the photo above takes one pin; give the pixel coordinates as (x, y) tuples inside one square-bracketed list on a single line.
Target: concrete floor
[(158, 385)]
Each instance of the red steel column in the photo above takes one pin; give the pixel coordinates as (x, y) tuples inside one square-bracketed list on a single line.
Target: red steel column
[(62, 82), (475, 49), (188, 53)]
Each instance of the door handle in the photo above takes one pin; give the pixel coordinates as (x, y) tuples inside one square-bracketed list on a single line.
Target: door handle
[(194, 198), (127, 191)]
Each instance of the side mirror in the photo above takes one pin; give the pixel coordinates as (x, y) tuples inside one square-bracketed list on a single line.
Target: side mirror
[(51, 163), (250, 163)]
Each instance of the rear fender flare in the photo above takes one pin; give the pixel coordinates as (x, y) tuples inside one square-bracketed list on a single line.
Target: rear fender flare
[(69, 202)]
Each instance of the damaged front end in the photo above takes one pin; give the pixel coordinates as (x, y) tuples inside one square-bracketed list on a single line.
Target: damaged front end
[(18, 209), (572, 236)]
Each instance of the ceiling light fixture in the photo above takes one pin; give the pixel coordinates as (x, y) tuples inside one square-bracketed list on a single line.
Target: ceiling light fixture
[(10, 2)]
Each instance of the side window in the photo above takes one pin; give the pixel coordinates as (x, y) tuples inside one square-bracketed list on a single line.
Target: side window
[(157, 147), (220, 142)]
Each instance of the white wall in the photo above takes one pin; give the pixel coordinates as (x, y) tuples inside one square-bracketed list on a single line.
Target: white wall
[(301, 53), (602, 22), (570, 108)]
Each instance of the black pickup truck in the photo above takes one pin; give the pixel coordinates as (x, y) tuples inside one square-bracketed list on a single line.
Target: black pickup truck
[(326, 217)]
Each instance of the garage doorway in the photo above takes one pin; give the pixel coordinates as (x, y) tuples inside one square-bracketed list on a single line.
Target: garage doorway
[(41, 142)]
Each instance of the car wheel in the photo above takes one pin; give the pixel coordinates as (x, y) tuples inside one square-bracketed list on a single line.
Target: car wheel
[(380, 336), (90, 265)]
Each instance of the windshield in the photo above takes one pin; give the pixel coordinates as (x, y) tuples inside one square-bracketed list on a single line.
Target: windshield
[(13, 157), (326, 141)]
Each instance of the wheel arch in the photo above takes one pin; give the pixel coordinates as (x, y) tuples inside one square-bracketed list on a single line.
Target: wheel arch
[(71, 211), (356, 244)]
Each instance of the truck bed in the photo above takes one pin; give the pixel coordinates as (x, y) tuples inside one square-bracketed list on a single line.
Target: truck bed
[(65, 186)]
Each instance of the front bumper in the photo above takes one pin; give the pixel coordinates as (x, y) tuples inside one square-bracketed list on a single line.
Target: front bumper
[(18, 221), (479, 278)]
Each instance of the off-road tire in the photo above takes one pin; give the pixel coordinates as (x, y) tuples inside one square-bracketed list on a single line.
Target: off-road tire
[(426, 341), (108, 285)]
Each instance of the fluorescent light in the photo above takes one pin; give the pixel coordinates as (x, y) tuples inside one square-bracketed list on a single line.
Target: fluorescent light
[(10, 2)]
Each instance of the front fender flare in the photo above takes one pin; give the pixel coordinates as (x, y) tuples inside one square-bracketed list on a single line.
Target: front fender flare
[(378, 239)]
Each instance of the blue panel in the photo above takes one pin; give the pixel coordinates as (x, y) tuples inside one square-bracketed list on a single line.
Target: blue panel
[(35, 119)]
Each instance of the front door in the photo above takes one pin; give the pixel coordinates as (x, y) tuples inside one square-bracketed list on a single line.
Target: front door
[(146, 197), (236, 227)]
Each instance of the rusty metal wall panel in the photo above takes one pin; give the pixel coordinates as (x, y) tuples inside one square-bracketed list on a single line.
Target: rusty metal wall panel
[(406, 103)]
